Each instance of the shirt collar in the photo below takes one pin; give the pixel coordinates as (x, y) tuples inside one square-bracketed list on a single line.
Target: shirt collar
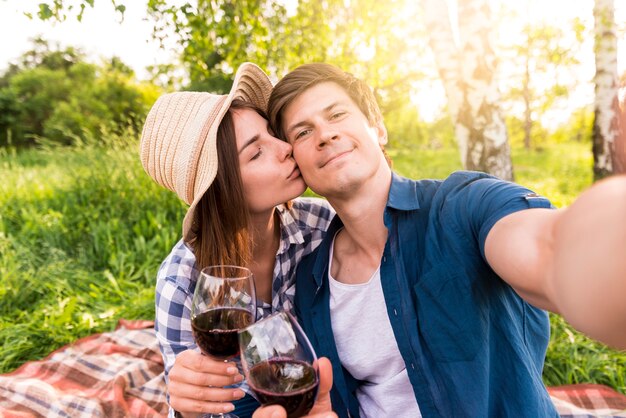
[(321, 260), (402, 196), (402, 193), (290, 233)]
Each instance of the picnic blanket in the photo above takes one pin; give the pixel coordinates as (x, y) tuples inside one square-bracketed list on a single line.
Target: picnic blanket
[(113, 374), (120, 374)]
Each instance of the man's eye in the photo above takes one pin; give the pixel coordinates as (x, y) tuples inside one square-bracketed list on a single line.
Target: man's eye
[(337, 115), (302, 133)]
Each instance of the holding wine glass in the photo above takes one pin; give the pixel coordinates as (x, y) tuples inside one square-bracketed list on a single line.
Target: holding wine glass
[(224, 302), (279, 364)]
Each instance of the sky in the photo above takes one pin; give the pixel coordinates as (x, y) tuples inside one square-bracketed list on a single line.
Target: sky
[(101, 34)]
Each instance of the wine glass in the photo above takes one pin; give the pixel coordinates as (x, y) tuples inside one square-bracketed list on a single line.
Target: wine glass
[(279, 363), (224, 302)]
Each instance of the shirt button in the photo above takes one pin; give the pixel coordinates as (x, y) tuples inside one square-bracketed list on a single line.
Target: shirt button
[(413, 366), (395, 312), (384, 259)]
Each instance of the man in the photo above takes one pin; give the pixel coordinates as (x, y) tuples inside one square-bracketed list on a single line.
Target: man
[(429, 297)]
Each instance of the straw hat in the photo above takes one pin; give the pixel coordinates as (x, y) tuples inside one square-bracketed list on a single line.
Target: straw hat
[(178, 142)]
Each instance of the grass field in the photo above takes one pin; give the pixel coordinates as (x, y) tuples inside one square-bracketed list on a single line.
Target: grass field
[(83, 231)]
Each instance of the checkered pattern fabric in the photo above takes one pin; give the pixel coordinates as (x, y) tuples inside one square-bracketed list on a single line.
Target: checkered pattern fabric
[(587, 400), (115, 374), (120, 374), (302, 229)]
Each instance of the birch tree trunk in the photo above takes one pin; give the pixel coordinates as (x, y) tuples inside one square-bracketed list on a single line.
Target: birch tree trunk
[(528, 121), (606, 129), (467, 71)]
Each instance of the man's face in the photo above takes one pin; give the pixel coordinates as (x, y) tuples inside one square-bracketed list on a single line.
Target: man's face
[(334, 144)]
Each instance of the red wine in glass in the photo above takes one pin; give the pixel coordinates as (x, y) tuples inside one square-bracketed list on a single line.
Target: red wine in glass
[(224, 302), (215, 330), (290, 383), (280, 364)]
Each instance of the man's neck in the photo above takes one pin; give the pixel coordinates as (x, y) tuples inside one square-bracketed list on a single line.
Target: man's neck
[(360, 245)]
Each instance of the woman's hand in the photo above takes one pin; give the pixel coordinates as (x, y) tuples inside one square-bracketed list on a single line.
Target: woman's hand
[(322, 407), (196, 384)]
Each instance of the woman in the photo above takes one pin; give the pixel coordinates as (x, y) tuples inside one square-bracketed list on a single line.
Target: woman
[(217, 153)]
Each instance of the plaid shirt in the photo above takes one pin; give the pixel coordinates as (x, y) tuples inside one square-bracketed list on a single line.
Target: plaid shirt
[(302, 230)]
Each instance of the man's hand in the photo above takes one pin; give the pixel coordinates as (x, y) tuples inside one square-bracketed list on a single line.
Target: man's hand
[(322, 407), (196, 384), (589, 275)]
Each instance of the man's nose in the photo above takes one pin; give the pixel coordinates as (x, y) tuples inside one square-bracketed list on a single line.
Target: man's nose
[(327, 134)]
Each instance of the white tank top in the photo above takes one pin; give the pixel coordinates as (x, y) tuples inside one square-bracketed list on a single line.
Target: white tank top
[(368, 350)]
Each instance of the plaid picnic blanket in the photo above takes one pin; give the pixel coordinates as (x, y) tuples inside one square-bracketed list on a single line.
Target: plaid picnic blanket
[(587, 400), (120, 374), (114, 374)]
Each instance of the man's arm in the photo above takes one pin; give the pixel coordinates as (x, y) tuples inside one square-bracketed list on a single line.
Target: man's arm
[(570, 261)]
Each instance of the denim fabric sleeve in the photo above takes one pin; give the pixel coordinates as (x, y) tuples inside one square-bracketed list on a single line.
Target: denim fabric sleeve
[(477, 201)]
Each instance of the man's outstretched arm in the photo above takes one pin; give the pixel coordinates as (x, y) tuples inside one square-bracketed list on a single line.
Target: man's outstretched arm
[(570, 261)]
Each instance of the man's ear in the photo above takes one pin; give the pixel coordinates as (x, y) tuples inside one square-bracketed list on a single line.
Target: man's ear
[(381, 131)]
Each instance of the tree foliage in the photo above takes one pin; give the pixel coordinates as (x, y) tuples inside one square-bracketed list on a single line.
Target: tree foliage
[(215, 37), (60, 10), (546, 60), (377, 41), (55, 94), (385, 43)]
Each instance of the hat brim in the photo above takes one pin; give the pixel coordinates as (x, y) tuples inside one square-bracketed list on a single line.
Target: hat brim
[(251, 85)]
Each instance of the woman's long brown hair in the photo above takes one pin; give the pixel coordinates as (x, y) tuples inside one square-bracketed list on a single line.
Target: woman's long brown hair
[(222, 227)]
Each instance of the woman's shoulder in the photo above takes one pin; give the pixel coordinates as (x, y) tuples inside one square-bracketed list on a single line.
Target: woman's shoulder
[(312, 211), (179, 266), (306, 214), (312, 204)]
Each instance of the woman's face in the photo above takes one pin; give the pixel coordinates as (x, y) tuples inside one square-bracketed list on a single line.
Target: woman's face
[(269, 173)]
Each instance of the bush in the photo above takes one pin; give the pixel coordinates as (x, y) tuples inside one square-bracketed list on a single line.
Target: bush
[(59, 97)]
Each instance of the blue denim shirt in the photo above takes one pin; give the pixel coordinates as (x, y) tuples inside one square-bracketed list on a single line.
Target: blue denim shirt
[(472, 347)]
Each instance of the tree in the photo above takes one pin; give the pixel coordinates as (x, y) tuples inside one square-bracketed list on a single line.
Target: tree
[(54, 93), (369, 38), (607, 159), (467, 71), (545, 54), (377, 41), (216, 37), (59, 9), (380, 43)]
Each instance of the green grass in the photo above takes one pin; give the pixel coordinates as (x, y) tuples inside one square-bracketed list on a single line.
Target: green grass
[(559, 172), (83, 231)]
